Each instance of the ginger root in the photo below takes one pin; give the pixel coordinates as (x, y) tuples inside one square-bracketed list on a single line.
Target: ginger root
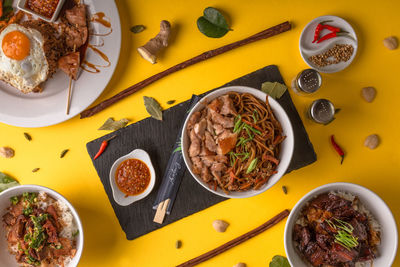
[(151, 48)]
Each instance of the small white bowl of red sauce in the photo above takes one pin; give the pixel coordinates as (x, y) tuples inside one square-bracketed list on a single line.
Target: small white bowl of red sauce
[(132, 177), (47, 10)]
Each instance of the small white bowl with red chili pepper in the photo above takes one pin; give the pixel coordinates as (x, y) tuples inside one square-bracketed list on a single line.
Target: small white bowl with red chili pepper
[(328, 44), (132, 177), (47, 10)]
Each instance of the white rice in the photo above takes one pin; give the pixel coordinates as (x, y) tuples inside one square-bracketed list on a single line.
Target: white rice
[(373, 223)]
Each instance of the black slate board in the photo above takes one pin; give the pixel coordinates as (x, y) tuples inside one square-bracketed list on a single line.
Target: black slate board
[(158, 138)]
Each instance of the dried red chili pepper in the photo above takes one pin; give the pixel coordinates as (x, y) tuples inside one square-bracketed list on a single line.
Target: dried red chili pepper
[(103, 146), (331, 28), (319, 28), (338, 149), (331, 35)]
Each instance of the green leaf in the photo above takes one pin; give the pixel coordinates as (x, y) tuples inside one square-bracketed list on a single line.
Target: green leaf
[(252, 166), (274, 90), (137, 28), (212, 24), (279, 261), (112, 125), (7, 182), (153, 108)]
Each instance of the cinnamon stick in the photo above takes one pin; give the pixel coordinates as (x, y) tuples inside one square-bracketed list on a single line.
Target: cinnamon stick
[(236, 241), (280, 28)]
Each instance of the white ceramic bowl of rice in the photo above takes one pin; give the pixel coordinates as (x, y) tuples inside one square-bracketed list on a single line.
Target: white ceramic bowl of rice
[(380, 214), (69, 216)]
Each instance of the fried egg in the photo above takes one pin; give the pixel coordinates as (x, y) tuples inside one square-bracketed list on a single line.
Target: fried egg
[(23, 62)]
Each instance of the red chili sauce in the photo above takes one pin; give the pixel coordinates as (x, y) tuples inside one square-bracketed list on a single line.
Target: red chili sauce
[(43, 7), (132, 177)]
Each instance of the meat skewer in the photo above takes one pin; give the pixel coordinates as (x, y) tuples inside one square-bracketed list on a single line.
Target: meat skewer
[(70, 89)]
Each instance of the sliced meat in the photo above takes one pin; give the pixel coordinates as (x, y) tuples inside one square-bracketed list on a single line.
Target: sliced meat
[(210, 127), (206, 175), (195, 144), (17, 209), (193, 120), (226, 122), (65, 250), (341, 254), (200, 127), (221, 159), (77, 15), (218, 129), (205, 152), (210, 143), (53, 212), (208, 160), (226, 142), (9, 219), (215, 105), (217, 176), (197, 165), (51, 232), (218, 167), (360, 230), (227, 106), (76, 36), (70, 64)]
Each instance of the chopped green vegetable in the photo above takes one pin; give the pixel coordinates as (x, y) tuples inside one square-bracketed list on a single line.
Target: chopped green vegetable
[(28, 210), (252, 166), (14, 200), (274, 90), (344, 236), (212, 24), (74, 234)]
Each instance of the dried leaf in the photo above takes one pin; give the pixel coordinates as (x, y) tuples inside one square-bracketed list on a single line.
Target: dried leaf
[(212, 24), (170, 102), (35, 169), (112, 125), (279, 261), (274, 90), (28, 136), (153, 108), (7, 181), (65, 151), (137, 28)]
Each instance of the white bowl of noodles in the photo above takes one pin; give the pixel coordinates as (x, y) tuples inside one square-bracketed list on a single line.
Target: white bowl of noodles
[(258, 172)]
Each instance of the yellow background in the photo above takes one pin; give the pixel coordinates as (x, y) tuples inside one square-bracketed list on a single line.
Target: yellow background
[(75, 177)]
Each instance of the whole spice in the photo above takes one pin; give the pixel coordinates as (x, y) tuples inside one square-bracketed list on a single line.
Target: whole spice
[(391, 42), (153, 107), (240, 264), (279, 261), (103, 147), (340, 52), (35, 169), (338, 149), (170, 102), (7, 152), (151, 48), (28, 136), (111, 125), (65, 151), (137, 28), (319, 28), (372, 141), (331, 35), (212, 24), (274, 90), (237, 241), (178, 244), (220, 225), (275, 30), (368, 94), (284, 189)]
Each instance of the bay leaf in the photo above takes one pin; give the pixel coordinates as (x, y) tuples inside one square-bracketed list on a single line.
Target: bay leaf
[(212, 24), (274, 90), (153, 107), (112, 125), (279, 261), (7, 181), (137, 28)]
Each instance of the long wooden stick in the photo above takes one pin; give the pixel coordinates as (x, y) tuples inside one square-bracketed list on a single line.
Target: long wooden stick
[(280, 28), (236, 241)]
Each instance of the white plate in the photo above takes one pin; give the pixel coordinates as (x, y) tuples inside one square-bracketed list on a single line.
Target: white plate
[(308, 48), (378, 208), (287, 145), (49, 107)]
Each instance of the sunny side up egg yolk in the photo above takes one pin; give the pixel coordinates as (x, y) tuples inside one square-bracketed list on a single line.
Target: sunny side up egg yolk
[(16, 45)]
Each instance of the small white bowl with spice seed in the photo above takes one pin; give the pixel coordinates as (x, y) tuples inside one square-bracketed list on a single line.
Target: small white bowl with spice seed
[(132, 177), (328, 44)]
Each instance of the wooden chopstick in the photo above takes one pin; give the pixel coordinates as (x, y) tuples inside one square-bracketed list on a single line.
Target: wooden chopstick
[(236, 241)]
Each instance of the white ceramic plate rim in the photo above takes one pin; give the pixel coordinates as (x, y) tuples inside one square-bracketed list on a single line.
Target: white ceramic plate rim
[(288, 142), (49, 108), (329, 43), (38, 188), (339, 186), (119, 196)]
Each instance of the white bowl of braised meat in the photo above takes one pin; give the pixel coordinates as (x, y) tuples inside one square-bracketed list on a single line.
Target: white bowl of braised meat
[(39, 228), (341, 225), (237, 142)]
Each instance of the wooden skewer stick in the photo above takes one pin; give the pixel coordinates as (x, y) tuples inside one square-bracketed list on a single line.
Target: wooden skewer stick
[(70, 85), (161, 210)]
